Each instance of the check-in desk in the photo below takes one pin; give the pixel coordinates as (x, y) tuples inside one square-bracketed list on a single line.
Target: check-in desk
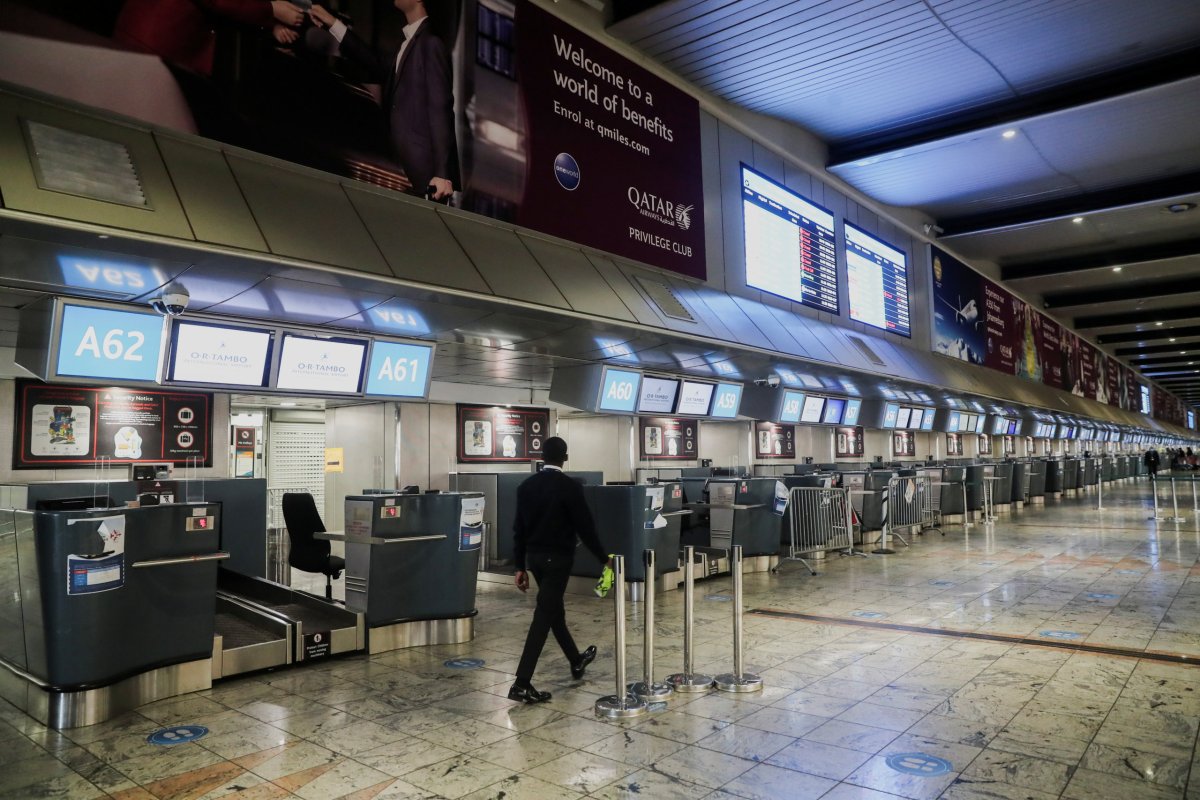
[(499, 490), (1001, 474), (1071, 474), (630, 520), (1019, 483), (1054, 477), (975, 474), (1036, 472), (953, 494), (104, 610), (1091, 472), (411, 566), (740, 511)]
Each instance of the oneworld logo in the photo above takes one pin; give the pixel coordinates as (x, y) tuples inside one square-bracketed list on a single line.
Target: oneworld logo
[(566, 171), (664, 211)]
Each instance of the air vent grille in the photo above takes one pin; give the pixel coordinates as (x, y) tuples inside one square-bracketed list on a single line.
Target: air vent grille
[(82, 165), (866, 350), (665, 298)]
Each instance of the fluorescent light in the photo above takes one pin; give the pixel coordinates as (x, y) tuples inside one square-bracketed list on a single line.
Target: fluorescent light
[(286, 403), (1077, 220), (1158, 324), (1010, 133), (1116, 269)]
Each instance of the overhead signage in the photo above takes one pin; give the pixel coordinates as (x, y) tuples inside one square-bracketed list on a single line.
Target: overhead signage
[(669, 438), (399, 370), (203, 352), (501, 434), (619, 390), (790, 408), (853, 407), (813, 407), (329, 366), (658, 395), (78, 426), (107, 275), (773, 440), (695, 398), (726, 401), (927, 422), (849, 442), (109, 344), (834, 408), (877, 282), (890, 413)]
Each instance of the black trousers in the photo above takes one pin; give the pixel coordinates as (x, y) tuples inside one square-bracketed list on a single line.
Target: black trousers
[(552, 571)]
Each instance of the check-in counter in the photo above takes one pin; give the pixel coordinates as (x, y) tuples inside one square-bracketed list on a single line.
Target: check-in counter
[(1001, 473), (500, 509), (104, 610), (1019, 483), (629, 521), (1072, 469), (975, 474), (1091, 471), (411, 566), (740, 511), (1035, 471), (1054, 477)]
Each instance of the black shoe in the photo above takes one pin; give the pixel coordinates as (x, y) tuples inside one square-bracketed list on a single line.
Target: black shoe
[(585, 658), (527, 694)]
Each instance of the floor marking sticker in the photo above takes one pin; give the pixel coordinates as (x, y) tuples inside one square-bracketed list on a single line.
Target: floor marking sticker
[(718, 598), (1060, 634), (920, 764), (179, 734), (463, 663), (867, 614)]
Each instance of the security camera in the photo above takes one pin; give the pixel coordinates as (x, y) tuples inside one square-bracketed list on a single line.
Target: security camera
[(173, 302), (771, 381)]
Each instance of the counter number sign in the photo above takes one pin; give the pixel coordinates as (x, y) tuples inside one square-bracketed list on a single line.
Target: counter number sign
[(727, 400), (399, 370), (620, 390), (106, 343)]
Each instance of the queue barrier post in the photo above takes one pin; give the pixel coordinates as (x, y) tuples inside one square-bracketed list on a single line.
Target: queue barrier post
[(739, 680), (646, 689), (688, 681), (621, 705)]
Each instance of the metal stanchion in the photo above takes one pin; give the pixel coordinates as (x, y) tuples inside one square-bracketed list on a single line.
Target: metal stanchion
[(688, 681), (646, 689), (1195, 508), (1100, 495), (967, 525), (1175, 504), (1154, 494), (739, 680), (621, 705)]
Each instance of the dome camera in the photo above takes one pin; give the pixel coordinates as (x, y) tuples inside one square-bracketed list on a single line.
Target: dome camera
[(173, 302), (771, 381)]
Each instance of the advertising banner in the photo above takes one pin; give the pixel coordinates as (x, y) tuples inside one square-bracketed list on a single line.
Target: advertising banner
[(75, 426), (774, 441), (499, 434), (669, 438), (849, 442), (498, 108)]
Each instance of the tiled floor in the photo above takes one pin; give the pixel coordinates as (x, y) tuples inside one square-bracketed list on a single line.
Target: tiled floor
[(848, 712)]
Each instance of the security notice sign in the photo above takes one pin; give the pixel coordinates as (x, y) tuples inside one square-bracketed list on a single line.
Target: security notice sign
[(669, 438), (78, 426), (501, 434)]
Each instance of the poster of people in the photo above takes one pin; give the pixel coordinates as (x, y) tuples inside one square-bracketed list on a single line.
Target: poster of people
[(671, 438), (849, 442), (954, 444), (78, 426), (772, 440), (496, 107), (500, 434), (978, 321), (904, 443)]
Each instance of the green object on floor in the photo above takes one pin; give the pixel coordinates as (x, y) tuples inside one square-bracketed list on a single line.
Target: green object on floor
[(607, 578)]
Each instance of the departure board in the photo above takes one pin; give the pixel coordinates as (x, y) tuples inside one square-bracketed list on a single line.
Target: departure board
[(877, 282), (791, 248)]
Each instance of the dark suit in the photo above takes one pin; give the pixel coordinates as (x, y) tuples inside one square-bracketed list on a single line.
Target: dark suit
[(551, 513), (181, 32), (418, 103)]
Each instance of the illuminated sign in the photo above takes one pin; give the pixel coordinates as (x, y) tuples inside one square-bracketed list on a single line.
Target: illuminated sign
[(792, 403), (619, 390), (399, 370), (695, 398), (109, 344), (216, 354), (850, 416), (332, 366), (727, 400)]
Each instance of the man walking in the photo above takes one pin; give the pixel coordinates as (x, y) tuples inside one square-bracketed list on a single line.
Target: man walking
[(1151, 461), (551, 515)]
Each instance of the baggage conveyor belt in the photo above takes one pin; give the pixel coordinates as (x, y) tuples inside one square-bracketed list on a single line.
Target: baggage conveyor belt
[(247, 639)]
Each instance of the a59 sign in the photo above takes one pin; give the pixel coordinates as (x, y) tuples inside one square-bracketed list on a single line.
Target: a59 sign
[(107, 343), (727, 400)]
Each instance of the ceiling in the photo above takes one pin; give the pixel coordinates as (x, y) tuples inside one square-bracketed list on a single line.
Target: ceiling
[(1049, 139)]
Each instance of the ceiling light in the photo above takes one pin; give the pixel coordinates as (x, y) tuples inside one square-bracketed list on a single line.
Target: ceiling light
[(1179, 208), (1172, 339), (1116, 269), (1077, 220), (286, 403), (1159, 324), (1010, 133)]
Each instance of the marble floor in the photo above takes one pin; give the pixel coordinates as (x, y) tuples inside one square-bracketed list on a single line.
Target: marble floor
[(985, 692)]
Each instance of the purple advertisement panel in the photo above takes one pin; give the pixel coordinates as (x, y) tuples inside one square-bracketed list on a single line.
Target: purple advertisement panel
[(613, 156), (498, 108)]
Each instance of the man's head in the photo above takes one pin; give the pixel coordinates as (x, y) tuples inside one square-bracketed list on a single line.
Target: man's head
[(554, 451), (413, 10)]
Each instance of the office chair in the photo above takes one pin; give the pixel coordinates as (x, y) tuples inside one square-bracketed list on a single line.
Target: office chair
[(309, 554)]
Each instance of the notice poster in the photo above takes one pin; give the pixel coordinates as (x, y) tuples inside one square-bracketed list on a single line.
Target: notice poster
[(470, 524), (849, 442), (243, 452), (904, 443), (772, 440), (985, 445), (954, 444), (76, 426), (668, 438), (103, 567), (500, 434)]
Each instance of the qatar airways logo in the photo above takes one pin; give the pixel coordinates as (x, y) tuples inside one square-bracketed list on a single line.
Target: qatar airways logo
[(657, 208)]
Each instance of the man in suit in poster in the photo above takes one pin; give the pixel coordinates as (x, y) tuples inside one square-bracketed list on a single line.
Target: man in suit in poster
[(418, 97)]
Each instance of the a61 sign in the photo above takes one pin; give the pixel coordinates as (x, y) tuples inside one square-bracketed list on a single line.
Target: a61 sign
[(108, 343), (399, 370)]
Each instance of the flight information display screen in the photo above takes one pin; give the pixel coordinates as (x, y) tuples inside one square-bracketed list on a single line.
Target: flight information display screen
[(791, 247), (877, 282)]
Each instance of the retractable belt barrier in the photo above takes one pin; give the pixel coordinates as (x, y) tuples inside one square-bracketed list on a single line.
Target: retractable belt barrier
[(622, 704), (739, 680), (688, 681), (646, 689)]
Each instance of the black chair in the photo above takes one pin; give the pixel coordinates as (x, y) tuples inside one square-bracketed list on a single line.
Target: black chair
[(307, 553)]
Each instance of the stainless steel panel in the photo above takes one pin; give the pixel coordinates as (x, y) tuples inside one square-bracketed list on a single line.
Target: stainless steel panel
[(631, 297), (504, 261), (30, 587), (211, 199), (162, 215), (12, 623), (414, 239), (306, 215), (420, 634), (577, 279), (253, 657), (736, 320)]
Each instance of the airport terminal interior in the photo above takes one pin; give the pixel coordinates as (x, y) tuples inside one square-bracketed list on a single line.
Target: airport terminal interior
[(871, 329)]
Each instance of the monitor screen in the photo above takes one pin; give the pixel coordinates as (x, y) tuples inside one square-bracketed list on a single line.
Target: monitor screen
[(726, 400), (1012, 427), (980, 421), (917, 418), (791, 247), (619, 390), (877, 282), (107, 343), (834, 407), (658, 395), (219, 354), (695, 398), (308, 364), (793, 402), (999, 425), (927, 422), (890, 412), (850, 415), (902, 417), (813, 406), (952, 426)]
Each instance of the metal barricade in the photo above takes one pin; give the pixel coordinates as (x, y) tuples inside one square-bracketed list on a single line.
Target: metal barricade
[(907, 503), (820, 520)]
